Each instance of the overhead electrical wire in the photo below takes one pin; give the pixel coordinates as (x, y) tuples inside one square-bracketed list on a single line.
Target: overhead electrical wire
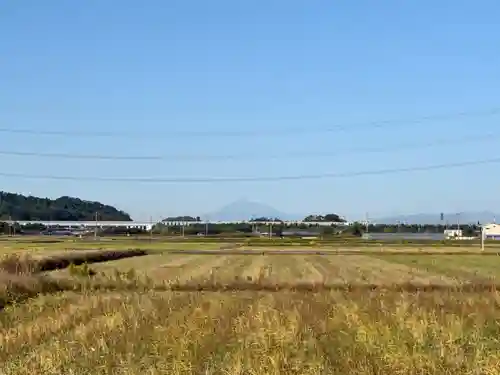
[(258, 155), (255, 179), (448, 141), (269, 131)]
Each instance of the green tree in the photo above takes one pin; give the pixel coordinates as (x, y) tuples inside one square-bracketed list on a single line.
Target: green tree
[(323, 218), (357, 229), (185, 218)]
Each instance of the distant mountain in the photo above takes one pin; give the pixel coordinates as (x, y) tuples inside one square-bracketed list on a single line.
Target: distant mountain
[(428, 218), (245, 210), (28, 208)]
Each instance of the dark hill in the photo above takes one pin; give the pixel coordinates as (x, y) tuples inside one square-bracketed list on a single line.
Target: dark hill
[(20, 207)]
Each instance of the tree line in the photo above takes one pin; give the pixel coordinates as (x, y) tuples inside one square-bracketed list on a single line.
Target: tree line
[(356, 229), (28, 208), (278, 229)]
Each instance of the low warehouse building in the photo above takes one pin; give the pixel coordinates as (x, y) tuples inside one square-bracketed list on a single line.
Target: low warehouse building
[(453, 233), (404, 236), (491, 231)]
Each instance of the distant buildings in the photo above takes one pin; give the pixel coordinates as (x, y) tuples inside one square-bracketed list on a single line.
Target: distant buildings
[(300, 233), (453, 233), (404, 236)]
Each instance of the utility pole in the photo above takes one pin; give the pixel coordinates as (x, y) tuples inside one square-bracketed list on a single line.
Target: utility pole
[(95, 227), (206, 228), (270, 230), (182, 229), (150, 229), (482, 238), (367, 223)]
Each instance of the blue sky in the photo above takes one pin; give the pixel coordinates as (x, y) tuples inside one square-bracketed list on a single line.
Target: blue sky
[(153, 68)]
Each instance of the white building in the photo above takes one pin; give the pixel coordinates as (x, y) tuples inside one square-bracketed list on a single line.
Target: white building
[(453, 233), (491, 231)]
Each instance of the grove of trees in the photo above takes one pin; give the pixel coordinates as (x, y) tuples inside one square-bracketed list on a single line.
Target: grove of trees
[(184, 218), (25, 208), (324, 218)]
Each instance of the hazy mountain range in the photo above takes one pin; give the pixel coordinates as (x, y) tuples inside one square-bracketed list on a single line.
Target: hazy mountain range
[(244, 210), (466, 217)]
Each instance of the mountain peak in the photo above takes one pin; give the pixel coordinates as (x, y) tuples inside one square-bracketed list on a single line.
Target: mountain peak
[(244, 209)]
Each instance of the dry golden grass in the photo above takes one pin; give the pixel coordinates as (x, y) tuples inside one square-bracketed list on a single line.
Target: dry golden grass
[(471, 267), (123, 322), (43, 246), (252, 333)]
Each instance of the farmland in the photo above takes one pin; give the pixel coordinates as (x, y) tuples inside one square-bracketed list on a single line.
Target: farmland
[(360, 312)]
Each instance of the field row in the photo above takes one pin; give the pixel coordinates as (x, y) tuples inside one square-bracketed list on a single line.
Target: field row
[(48, 245), (312, 268)]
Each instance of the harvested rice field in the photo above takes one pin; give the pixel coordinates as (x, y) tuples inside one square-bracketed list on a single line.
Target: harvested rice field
[(164, 313)]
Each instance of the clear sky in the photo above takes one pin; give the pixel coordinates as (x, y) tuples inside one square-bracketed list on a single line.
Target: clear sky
[(147, 69)]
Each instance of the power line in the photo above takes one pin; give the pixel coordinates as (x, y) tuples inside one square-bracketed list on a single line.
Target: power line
[(256, 179), (258, 155), (251, 132)]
